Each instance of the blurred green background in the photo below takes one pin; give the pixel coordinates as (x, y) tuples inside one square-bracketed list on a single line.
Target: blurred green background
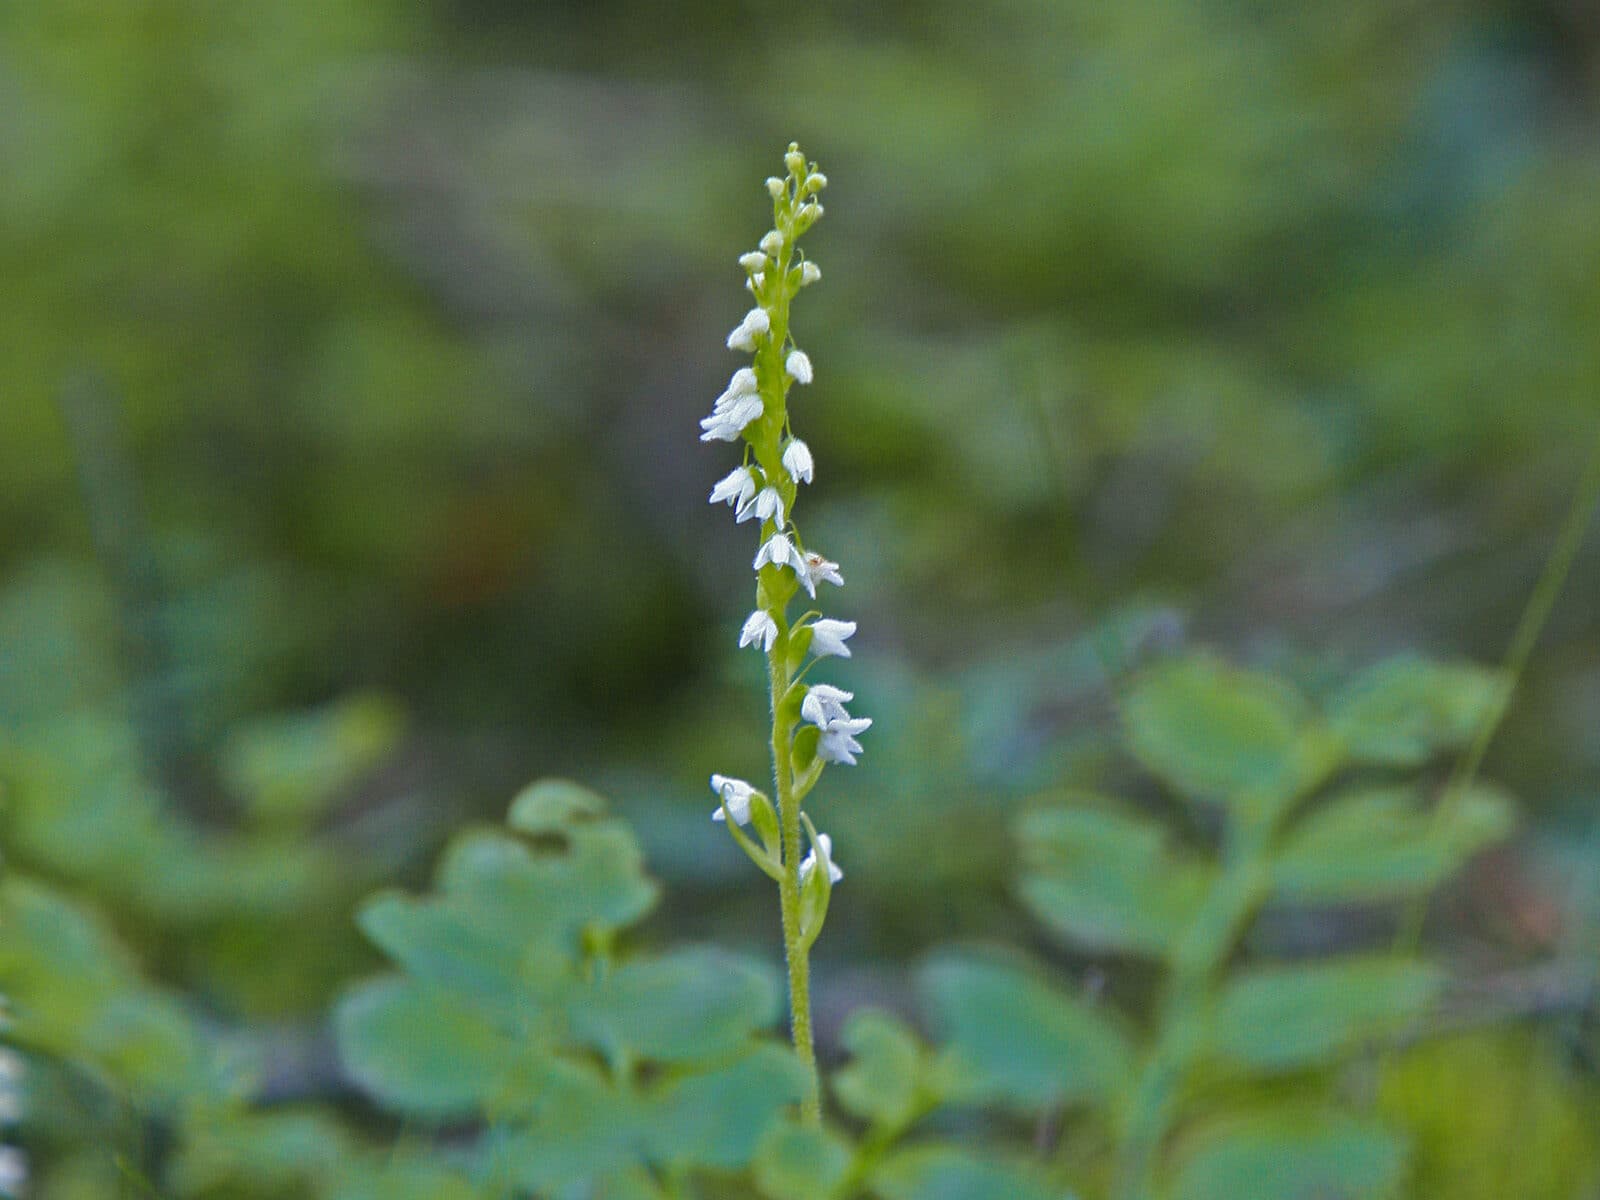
[(353, 353)]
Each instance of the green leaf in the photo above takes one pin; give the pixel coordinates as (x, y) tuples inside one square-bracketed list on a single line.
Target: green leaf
[(695, 1003), (419, 1050), (1307, 1156), (438, 943), (882, 1081), (1022, 1040), (947, 1173), (1106, 880), (717, 1118), (1380, 844), (555, 806), (580, 1129), (1401, 712), (800, 1162), (1218, 733), (1285, 1018)]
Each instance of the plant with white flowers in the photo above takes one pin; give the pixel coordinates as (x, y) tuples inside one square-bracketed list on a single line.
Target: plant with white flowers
[(810, 725)]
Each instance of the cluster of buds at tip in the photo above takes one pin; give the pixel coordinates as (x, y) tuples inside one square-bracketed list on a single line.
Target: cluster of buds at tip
[(813, 728)]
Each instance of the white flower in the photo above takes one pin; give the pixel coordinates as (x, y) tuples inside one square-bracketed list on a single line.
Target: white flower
[(755, 323), (727, 422), (808, 864), (797, 461), (780, 552), (774, 186), (794, 160), (767, 506), (753, 284), (742, 383), (815, 181), (771, 242), (824, 703), (735, 793), (809, 272), (824, 708), (828, 637), (753, 261), (808, 213), (838, 742), (739, 404), (815, 569), (735, 488), (798, 364), (759, 627)]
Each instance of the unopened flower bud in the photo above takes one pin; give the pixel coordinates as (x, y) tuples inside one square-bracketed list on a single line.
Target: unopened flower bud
[(809, 272), (753, 261), (795, 161), (771, 242), (774, 186), (815, 181), (798, 364)]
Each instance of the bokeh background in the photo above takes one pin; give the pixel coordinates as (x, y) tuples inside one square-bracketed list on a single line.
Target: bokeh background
[(349, 475)]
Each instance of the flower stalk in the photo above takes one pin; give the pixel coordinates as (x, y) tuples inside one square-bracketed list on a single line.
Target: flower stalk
[(810, 726)]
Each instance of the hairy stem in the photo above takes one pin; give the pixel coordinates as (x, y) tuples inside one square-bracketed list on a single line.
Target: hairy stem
[(795, 953)]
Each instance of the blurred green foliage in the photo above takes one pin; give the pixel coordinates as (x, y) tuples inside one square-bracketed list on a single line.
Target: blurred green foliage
[(352, 353)]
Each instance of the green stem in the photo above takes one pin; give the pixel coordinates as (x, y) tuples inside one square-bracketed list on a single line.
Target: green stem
[(1531, 624), (1203, 948), (795, 951)]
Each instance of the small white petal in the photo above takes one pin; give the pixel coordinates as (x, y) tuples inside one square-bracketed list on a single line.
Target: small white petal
[(828, 637), (774, 186), (735, 794), (815, 181), (797, 461), (815, 569), (759, 627), (753, 261), (767, 506), (734, 488), (809, 864), (798, 364), (809, 272), (777, 550), (771, 242), (755, 323), (824, 703)]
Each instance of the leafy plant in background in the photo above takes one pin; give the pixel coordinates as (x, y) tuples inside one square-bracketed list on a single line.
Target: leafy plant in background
[(1229, 1093)]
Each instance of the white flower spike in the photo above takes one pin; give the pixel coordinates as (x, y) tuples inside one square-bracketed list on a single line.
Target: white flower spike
[(760, 629), (828, 637), (735, 794), (754, 409), (824, 843), (797, 461)]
